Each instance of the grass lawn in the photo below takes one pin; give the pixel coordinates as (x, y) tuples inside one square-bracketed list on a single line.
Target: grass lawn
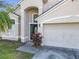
[(8, 51)]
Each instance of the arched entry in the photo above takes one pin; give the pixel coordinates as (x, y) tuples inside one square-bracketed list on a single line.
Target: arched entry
[(32, 13)]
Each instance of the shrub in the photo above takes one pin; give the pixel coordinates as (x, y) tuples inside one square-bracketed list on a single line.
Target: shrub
[(37, 39)]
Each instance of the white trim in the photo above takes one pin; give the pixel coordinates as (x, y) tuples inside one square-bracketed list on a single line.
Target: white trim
[(33, 23), (32, 18), (24, 37), (29, 31), (10, 36), (61, 17), (15, 37), (17, 23), (77, 15)]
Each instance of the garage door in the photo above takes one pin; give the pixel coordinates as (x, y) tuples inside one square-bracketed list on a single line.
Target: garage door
[(61, 35)]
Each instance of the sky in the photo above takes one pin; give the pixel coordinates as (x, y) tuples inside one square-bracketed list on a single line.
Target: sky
[(13, 2)]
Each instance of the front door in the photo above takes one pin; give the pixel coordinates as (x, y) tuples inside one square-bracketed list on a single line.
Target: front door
[(33, 29)]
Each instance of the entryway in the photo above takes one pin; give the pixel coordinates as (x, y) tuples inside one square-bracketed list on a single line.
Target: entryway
[(33, 29)]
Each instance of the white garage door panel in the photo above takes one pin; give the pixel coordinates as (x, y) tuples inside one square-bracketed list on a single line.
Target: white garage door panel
[(61, 35)]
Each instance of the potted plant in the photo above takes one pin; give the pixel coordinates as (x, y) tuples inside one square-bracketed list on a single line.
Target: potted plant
[(37, 39)]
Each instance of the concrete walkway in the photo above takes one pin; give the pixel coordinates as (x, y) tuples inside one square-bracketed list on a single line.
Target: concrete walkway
[(47, 52)]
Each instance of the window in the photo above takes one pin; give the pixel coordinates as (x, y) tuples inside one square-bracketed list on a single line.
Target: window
[(13, 21), (34, 17)]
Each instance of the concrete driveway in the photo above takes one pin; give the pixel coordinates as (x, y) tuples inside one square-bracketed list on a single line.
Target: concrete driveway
[(47, 52)]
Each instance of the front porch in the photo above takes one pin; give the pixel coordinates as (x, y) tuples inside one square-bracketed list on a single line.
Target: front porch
[(44, 51)]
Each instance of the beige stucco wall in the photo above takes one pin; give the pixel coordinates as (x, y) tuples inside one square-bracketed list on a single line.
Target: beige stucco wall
[(18, 10), (12, 34), (49, 4), (28, 3), (67, 8)]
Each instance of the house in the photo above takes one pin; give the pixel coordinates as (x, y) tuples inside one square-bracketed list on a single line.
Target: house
[(12, 34), (56, 20)]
